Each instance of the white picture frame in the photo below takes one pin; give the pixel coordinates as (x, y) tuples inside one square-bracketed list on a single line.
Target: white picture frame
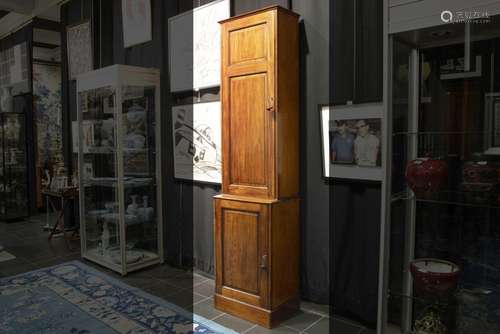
[(197, 142), (365, 162), (195, 63), (80, 50), (136, 19)]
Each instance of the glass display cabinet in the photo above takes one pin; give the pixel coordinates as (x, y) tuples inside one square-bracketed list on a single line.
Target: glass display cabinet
[(118, 158), (14, 196), (444, 265)]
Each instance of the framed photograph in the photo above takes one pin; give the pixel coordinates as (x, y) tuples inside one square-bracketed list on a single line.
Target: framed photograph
[(197, 142), (351, 140), (195, 63), (136, 18), (80, 51)]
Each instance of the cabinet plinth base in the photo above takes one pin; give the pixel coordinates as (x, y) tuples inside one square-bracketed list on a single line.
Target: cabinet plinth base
[(263, 317)]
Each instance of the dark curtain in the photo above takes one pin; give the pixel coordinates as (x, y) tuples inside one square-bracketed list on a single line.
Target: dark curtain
[(354, 233)]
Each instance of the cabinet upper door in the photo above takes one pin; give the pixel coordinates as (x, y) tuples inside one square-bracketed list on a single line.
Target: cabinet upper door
[(241, 239), (248, 105)]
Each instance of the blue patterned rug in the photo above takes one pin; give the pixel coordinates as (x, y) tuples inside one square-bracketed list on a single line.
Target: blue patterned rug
[(73, 298)]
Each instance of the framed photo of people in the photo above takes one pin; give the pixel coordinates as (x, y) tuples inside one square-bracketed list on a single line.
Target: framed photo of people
[(351, 138)]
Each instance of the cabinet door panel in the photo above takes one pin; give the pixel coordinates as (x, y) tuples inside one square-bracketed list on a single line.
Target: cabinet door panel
[(247, 128), (241, 251), (248, 44), (248, 91)]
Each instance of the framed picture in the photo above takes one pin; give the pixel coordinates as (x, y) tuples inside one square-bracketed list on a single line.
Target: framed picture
[(136, 18), (351, 139), (195, 63), (197, 142), (14, 67), (80, 51)]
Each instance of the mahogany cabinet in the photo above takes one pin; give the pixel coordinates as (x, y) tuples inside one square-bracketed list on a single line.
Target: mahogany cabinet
[(257, 214)]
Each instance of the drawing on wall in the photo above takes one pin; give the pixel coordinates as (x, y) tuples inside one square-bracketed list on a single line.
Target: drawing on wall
[(197, 142), (47, 96), (195, 64), (80, 55), (353, 141), (136, 17), (14, 69)]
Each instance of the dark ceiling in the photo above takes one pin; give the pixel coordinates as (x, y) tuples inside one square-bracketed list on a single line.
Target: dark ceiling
[(3, 13)]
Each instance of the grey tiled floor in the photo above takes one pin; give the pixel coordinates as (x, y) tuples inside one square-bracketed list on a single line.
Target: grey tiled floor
[(192, 291)]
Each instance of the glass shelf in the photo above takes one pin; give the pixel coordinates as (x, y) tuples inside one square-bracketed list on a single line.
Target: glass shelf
[(459, 198)]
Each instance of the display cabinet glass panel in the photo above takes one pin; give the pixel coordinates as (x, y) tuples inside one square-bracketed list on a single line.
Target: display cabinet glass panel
[(444, 272), (13, 168), (118, 156)]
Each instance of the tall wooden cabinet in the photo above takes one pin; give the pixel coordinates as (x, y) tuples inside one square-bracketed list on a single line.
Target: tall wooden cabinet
[(257, 214)]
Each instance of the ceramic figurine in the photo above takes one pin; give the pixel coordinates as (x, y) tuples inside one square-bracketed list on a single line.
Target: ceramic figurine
[(105, 238), (132, 207), (479, 180)]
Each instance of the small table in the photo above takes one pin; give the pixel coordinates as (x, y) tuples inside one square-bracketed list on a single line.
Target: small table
[(66, 196)]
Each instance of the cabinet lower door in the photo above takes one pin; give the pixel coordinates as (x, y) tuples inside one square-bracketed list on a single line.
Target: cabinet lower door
[(241, 232)]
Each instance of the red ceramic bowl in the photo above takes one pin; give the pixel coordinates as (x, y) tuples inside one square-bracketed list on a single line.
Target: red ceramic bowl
[(434, 276), (426, 175)]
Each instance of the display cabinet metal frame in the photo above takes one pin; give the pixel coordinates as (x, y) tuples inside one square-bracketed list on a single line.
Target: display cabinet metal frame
[(117, 77)]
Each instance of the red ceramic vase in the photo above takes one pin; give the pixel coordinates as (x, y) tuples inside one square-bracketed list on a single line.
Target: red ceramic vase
[(434, 276), (479, 173), (426, 175)]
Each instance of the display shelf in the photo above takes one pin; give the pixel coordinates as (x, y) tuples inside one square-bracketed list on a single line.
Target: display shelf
[(129, 183), (457, 198), (119, 169)]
